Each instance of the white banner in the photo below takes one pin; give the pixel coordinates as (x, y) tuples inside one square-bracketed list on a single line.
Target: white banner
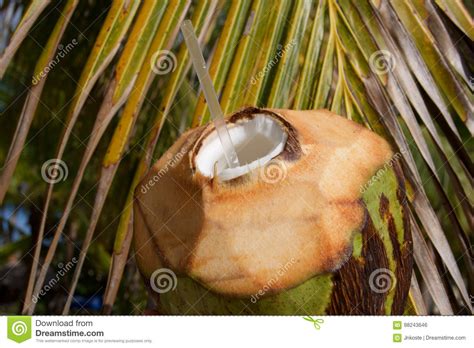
[(243, 331)]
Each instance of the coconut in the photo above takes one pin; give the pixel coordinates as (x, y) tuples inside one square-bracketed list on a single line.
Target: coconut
[(313, 220)]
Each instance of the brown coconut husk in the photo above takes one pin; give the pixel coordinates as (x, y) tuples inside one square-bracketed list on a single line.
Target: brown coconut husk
[(234, 236)]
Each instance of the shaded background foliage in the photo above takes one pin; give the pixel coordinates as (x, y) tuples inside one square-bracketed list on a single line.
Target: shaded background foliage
[(328, 65)]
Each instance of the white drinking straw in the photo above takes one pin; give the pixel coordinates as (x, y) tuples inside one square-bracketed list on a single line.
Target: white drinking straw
[(209, 93)]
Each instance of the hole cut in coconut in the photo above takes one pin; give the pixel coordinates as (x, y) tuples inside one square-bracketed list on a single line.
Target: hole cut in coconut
[(256, 142)]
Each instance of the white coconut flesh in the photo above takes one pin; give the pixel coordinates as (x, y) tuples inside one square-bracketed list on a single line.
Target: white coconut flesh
[(256, 142)]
